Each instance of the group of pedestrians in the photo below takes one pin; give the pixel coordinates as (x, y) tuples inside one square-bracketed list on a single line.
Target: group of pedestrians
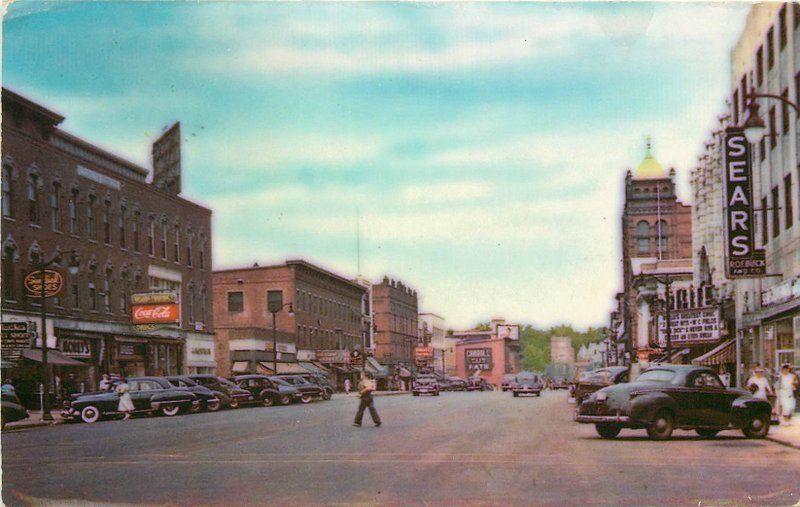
[(786, 389)]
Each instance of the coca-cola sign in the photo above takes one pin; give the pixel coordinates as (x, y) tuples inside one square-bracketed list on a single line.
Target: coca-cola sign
[(155, 314)]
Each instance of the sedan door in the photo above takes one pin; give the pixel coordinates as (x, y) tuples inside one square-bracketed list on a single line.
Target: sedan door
[(711, 405)]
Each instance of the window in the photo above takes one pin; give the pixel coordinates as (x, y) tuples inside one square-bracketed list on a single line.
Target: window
[(760, 65), (782, 26), (202, 262), (151, 237), (73, 212), (764, 229), (90, 219), (770, 48), (736, 107), (55, 210), (163, 239), (202, 304), (8, 273), (107, 292), (787, 201), (8, 209), (176, 247), (33, 199), (190, 304), (642, 237), (189, 238), (785, 111), (121, 226), (776, 218), (135, 230), (92, 297), (107, 223), (235, 301), (762, 149), (773, 137), (75, 291)]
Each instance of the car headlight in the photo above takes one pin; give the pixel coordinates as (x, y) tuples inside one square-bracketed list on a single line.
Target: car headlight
[(602, 396)]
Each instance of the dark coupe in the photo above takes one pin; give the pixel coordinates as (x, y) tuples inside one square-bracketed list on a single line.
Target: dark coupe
[(262, 389), (593, 381), (149, 395), (527, 386), (209, 400), (675, 396), (308, 391), (229, 393)]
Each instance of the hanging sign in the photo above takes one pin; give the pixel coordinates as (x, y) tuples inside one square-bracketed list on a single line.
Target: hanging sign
[(743, 260), (16, 337), (53, 283)]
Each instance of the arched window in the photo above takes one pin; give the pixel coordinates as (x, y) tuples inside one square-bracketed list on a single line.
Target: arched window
[(55, 207), (92, 297), (121, 225), (33, 198), (151, 237), (107, 222), (8, 195), (9, 285), (164, 238), (189, 239), (73, 212), (135, 230), (75, 292), (176, 247), (643, 237), (202, 261), (107, 291), (90, 229)]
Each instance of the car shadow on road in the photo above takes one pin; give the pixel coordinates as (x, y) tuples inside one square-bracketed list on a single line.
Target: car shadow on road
[(680, 438)]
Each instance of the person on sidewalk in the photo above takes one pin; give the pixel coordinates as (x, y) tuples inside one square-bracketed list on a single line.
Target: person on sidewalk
[(787, 384), (347, 386), (758, 384), (367, 386), (105, 383), (125, 401)]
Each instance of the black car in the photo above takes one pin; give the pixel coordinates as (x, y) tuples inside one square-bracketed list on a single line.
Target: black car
[(527, 386), (593, 381), (456, 384), (229, 393), (263, 390), (12, 409), (478, 384), (666, 397), (308, 391), (149, 395), (327, 388), (209, 400), (289, 393)]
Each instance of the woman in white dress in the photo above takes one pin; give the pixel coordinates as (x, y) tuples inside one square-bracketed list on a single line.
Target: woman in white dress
[(125, 401), (787, 384), (759, 384)]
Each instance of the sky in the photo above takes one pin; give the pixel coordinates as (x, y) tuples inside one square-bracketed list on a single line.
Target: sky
[(481, 148)]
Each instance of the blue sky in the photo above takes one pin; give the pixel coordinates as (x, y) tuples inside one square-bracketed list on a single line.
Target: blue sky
[(484, 145)]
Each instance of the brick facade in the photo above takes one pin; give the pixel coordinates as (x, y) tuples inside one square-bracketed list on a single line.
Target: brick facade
[(395, 314)]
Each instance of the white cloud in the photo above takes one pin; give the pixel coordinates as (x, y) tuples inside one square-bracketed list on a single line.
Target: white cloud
[(445, 192)]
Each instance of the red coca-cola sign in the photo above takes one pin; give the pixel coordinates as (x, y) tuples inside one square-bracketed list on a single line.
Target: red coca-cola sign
[(155, 314)]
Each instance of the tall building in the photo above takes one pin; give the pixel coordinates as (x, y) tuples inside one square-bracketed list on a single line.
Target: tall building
[(61, 194), (395, 320), (433, 334), (765, 60), (321, 320)]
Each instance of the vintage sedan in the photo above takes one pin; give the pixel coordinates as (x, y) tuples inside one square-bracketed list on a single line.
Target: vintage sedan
[(666, 397), (478, 384), (309, 391), (593, 381), (229, 393), (509, 381), (527, 386), (149, 395), (289, 393), (209, 400), (327, 388), (262, 389), (456, 384), (425, 385), (12, 409)]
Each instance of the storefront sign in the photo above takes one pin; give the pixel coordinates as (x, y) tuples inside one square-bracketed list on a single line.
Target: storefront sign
[(76, 347), (155, 314), (356, 358), (306, 355), (333, 356), (423, 352), (285, 348), (689, 327), (16, 337), (127, 349), (53, 283), (784, 291), (509, 331), (201, 351), (743, 260), (478, 359), (153, 298)]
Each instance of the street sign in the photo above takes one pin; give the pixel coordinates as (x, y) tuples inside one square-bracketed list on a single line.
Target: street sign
[(53, 283), (14, 338), (692, 326)]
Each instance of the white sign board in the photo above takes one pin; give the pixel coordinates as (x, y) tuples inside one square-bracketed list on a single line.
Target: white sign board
[(687, 327)]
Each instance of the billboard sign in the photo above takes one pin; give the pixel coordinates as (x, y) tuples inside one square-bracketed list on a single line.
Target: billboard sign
[(694, 326), (332, 356), (167, 160), (510, 331), (16, 337), (53, 283), (743, 260), (478, 359), (155, 314)]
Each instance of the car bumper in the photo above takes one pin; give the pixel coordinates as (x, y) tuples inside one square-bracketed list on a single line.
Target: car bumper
[(69, 414), (594, 419), (424, 391), (526, 391)]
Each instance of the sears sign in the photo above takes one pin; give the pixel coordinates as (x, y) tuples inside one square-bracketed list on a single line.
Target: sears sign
[(743, 260)]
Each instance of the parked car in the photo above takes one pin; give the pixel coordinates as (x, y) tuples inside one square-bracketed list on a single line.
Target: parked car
[(508, 383), (12, 409), (149, 395), (478, 384), (209, 401), (456, 384), (593, 381), (528, 386), (560, 383), (308, 391), (666, 397), (262, 389), (289, 393), (229, 393), (327, 388), (425, 385)]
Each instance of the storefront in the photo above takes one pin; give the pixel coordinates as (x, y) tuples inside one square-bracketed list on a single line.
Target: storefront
[(135, 356), (86, 349), (200, 354)]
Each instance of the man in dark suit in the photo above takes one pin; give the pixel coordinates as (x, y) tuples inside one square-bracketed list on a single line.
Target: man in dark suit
[(367, 386)]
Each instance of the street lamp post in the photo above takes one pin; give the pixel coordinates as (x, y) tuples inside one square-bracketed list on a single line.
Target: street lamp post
[(42, 268)]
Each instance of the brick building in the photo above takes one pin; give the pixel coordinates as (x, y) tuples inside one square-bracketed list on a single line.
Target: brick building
[(62, 194), (490, 353), (323, 323), (395, 317)]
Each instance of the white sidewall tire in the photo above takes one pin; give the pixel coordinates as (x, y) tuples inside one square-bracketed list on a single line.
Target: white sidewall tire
[(90, 414), (170, 410)]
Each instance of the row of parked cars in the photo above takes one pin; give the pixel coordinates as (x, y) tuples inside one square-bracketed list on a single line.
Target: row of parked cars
[(176, 394), (434, 384)]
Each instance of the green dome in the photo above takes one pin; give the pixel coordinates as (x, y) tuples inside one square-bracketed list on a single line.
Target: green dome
[(649, 169)]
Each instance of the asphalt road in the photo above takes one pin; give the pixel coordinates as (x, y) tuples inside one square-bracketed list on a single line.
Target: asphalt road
[(463, 448)]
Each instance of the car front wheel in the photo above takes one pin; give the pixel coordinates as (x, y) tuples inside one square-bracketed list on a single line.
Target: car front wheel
[(170, 410), (756, 426), (285, 400), (90, 414), (306, 398), (326, 395), (267, 400), (213, 406), (660, 428), (606, 430)]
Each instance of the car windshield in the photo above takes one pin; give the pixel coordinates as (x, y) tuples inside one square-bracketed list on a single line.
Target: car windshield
[(226, 382), (657, 376), (280, 381)]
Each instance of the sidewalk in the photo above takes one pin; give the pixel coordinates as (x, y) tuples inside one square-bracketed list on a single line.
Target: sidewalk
[(35, 419), (786, 435)]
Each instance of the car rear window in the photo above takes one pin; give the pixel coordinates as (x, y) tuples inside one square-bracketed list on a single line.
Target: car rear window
[(657, 376)]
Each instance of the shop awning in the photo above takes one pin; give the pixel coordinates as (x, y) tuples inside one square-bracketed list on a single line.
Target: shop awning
[(283, 368), (240, 366), (375, 368), (53, 357), (724, 353), (321, 367), (675, 356), (313, 369)]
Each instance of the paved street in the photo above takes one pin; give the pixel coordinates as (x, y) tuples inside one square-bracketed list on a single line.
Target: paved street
[(459, 447)]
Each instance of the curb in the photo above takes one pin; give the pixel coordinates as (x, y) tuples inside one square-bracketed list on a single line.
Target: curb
[(28, 425), (784, 443)]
